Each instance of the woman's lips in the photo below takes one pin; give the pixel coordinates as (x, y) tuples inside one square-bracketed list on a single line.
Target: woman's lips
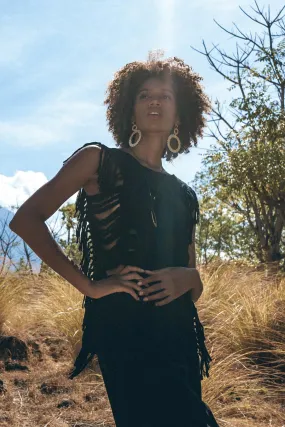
[(154, 115)]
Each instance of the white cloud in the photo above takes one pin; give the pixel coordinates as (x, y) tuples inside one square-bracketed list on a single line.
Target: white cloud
[(15, 190)]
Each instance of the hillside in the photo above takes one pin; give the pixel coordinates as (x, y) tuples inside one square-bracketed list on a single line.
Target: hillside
[(241, 308)]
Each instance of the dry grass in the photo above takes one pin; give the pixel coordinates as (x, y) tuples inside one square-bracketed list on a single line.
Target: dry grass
[(241, 308), (15, 298)]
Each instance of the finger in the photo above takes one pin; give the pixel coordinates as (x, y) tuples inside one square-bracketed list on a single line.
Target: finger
[(130, 290), (159, 295), (151, 271), (129, 268), (132, 276), (132, 285), (152, 289), (164, 301), (151, 279)]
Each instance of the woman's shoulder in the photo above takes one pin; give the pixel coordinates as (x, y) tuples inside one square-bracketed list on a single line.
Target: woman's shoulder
[(114, 161), (189, 191), (105, 149), (107, 171), (88, 146), (191, 200)]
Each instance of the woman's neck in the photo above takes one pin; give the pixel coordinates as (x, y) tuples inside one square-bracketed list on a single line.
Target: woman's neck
[(149, 151)]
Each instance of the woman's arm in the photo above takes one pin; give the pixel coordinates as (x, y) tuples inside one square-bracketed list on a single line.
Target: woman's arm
[(29, 220)]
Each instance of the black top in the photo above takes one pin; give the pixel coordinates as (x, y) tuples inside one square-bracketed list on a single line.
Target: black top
[(140, 217)]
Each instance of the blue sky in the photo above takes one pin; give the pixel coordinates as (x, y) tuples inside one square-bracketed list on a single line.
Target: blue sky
[(57, 57)]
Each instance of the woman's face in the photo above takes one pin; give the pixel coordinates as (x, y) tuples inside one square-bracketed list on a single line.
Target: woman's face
[(156, 95)]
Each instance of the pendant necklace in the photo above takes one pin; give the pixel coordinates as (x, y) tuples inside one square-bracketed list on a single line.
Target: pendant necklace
[(152, 211), (152, 196)]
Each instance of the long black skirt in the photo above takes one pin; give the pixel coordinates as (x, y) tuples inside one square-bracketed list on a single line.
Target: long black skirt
[(155, 393), (149, 361)]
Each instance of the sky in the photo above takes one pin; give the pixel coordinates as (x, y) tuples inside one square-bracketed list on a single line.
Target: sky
[(57, 57)]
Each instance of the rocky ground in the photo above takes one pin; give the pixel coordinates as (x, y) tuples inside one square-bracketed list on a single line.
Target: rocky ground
[(35, 390)]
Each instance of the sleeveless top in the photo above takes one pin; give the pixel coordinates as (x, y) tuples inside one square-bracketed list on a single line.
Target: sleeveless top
[(139, 217)]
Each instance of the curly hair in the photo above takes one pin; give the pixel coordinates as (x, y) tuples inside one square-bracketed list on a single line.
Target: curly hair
[(192, 102)]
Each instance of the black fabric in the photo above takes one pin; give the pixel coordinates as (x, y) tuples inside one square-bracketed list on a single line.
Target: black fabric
[(155, 392), (144, 218)]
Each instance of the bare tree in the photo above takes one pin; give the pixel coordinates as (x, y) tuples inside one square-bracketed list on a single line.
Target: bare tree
[(247, 165), (15, 254), (8, 243)]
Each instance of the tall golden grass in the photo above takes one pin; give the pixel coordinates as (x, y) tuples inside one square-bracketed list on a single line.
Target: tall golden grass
[(243, 312), (242, 309)]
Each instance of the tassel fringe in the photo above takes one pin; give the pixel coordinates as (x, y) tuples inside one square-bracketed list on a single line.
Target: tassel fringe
[(82, 360), (193, 208), (204, 355), (89, 256), (83, 232)]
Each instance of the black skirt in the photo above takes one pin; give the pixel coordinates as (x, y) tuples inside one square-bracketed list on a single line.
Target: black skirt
[(155, 392), (149, 360)]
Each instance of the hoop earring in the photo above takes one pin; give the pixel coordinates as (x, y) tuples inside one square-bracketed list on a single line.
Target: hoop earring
[(135, 130), (174, 135)]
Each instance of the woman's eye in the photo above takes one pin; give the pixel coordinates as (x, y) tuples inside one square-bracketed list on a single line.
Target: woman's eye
[(145, 95)]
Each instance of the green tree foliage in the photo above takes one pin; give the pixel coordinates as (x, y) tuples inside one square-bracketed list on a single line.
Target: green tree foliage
[(222, 232), (69, 244), (246, 167)]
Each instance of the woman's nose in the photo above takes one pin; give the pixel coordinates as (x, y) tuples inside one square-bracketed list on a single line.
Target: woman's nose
[(154, 101)]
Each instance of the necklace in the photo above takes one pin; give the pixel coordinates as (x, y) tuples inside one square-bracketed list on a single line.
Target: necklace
[(152, 211), (152, 197)]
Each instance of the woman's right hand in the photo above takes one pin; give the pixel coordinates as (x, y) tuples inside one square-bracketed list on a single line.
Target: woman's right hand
[(119, 280)]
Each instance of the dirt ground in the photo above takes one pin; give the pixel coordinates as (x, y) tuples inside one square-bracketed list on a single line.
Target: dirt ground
[(37, 392)]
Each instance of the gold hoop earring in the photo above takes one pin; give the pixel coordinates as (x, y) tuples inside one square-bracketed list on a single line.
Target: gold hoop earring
[(135, 131), (174, 135)]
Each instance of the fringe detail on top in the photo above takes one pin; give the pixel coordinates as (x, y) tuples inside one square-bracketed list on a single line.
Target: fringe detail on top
[(194, 218), (83, 238), (83, 233), (204, 355), (193, 208), (87, 245)]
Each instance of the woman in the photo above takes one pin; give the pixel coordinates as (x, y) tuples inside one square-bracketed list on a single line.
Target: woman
[(136, 231)]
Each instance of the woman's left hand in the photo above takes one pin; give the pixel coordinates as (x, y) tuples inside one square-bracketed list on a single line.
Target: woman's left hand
[(173, 282)]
